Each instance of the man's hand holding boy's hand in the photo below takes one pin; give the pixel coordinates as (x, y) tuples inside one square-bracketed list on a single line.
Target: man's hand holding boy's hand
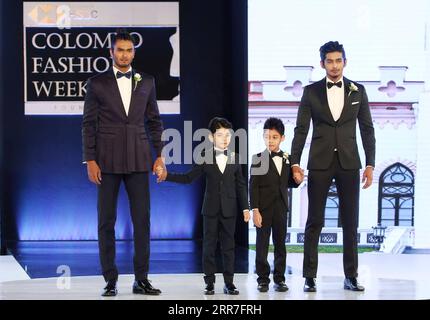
[(246, 215), (161, 173), (298, 174)]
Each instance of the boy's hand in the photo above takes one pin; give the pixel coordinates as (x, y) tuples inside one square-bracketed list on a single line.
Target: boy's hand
[(161, 174), (158, 166), (246, 215), (257, 218)]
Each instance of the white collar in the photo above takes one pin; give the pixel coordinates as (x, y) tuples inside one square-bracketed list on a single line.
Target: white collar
[(115, 70)]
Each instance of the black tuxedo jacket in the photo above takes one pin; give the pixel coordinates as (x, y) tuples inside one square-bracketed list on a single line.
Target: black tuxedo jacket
[(117, 142), (265, 188), (223, 190), (329, 134)]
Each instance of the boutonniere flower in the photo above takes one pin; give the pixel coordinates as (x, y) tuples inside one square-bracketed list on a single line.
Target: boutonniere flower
[(352, 88), (285, 157), (137, 77)]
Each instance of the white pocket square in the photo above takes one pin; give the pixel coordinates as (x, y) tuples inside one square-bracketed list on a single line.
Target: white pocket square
[(356, 102)]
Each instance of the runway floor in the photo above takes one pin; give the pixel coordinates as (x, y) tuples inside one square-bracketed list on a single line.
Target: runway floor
[(386, 277), (190, 287)]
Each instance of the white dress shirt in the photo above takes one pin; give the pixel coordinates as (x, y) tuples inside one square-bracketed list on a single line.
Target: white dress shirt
[(124, 86), (335, 97), (221, 160), (278, 162)]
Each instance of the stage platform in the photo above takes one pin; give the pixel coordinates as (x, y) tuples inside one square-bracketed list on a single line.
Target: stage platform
[(190, 287), (11, 270), (386, 277)]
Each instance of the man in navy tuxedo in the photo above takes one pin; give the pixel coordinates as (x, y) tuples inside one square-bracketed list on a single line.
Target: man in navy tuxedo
[(120, 117), (334, 104)]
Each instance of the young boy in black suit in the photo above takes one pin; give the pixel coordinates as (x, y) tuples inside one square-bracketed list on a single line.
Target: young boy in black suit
[(225, 187), (270, 179)]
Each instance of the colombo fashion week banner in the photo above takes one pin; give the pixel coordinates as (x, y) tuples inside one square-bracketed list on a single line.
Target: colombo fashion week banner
[(67, 43)]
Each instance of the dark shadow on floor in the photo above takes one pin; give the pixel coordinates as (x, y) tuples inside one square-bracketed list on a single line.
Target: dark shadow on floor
[(43, 259)]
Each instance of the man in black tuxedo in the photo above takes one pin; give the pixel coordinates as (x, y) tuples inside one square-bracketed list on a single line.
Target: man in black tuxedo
[(269, 183), (225, 188), (120, 113), (334, 104)]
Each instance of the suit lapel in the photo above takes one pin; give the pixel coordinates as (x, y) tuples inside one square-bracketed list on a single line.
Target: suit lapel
[(346, 100), (134, 85), (265, 156), (113, 85), (229, 164), (322, 91), (284, 170)]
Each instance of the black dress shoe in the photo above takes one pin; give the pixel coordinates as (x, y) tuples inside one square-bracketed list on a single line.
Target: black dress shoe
[(209, 290), (229, 288), (352, 284), (144, 287), (263, 287), (280, 286), (310, 285), (110, 290)]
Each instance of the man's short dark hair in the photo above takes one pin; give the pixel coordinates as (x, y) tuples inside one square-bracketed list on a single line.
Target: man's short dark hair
[(275, 124), (218, 123), (121, 34), (331, 46)]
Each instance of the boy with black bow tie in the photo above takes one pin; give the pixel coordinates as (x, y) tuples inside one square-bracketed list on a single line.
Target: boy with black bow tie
[(269, 183), (225, 188)]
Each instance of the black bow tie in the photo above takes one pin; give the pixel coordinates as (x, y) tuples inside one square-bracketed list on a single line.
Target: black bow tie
[(119, 74), (331, 84), (218, 152), (276, 154)]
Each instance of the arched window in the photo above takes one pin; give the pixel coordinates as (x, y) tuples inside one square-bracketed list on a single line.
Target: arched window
[(396, 196), (331, 216)]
